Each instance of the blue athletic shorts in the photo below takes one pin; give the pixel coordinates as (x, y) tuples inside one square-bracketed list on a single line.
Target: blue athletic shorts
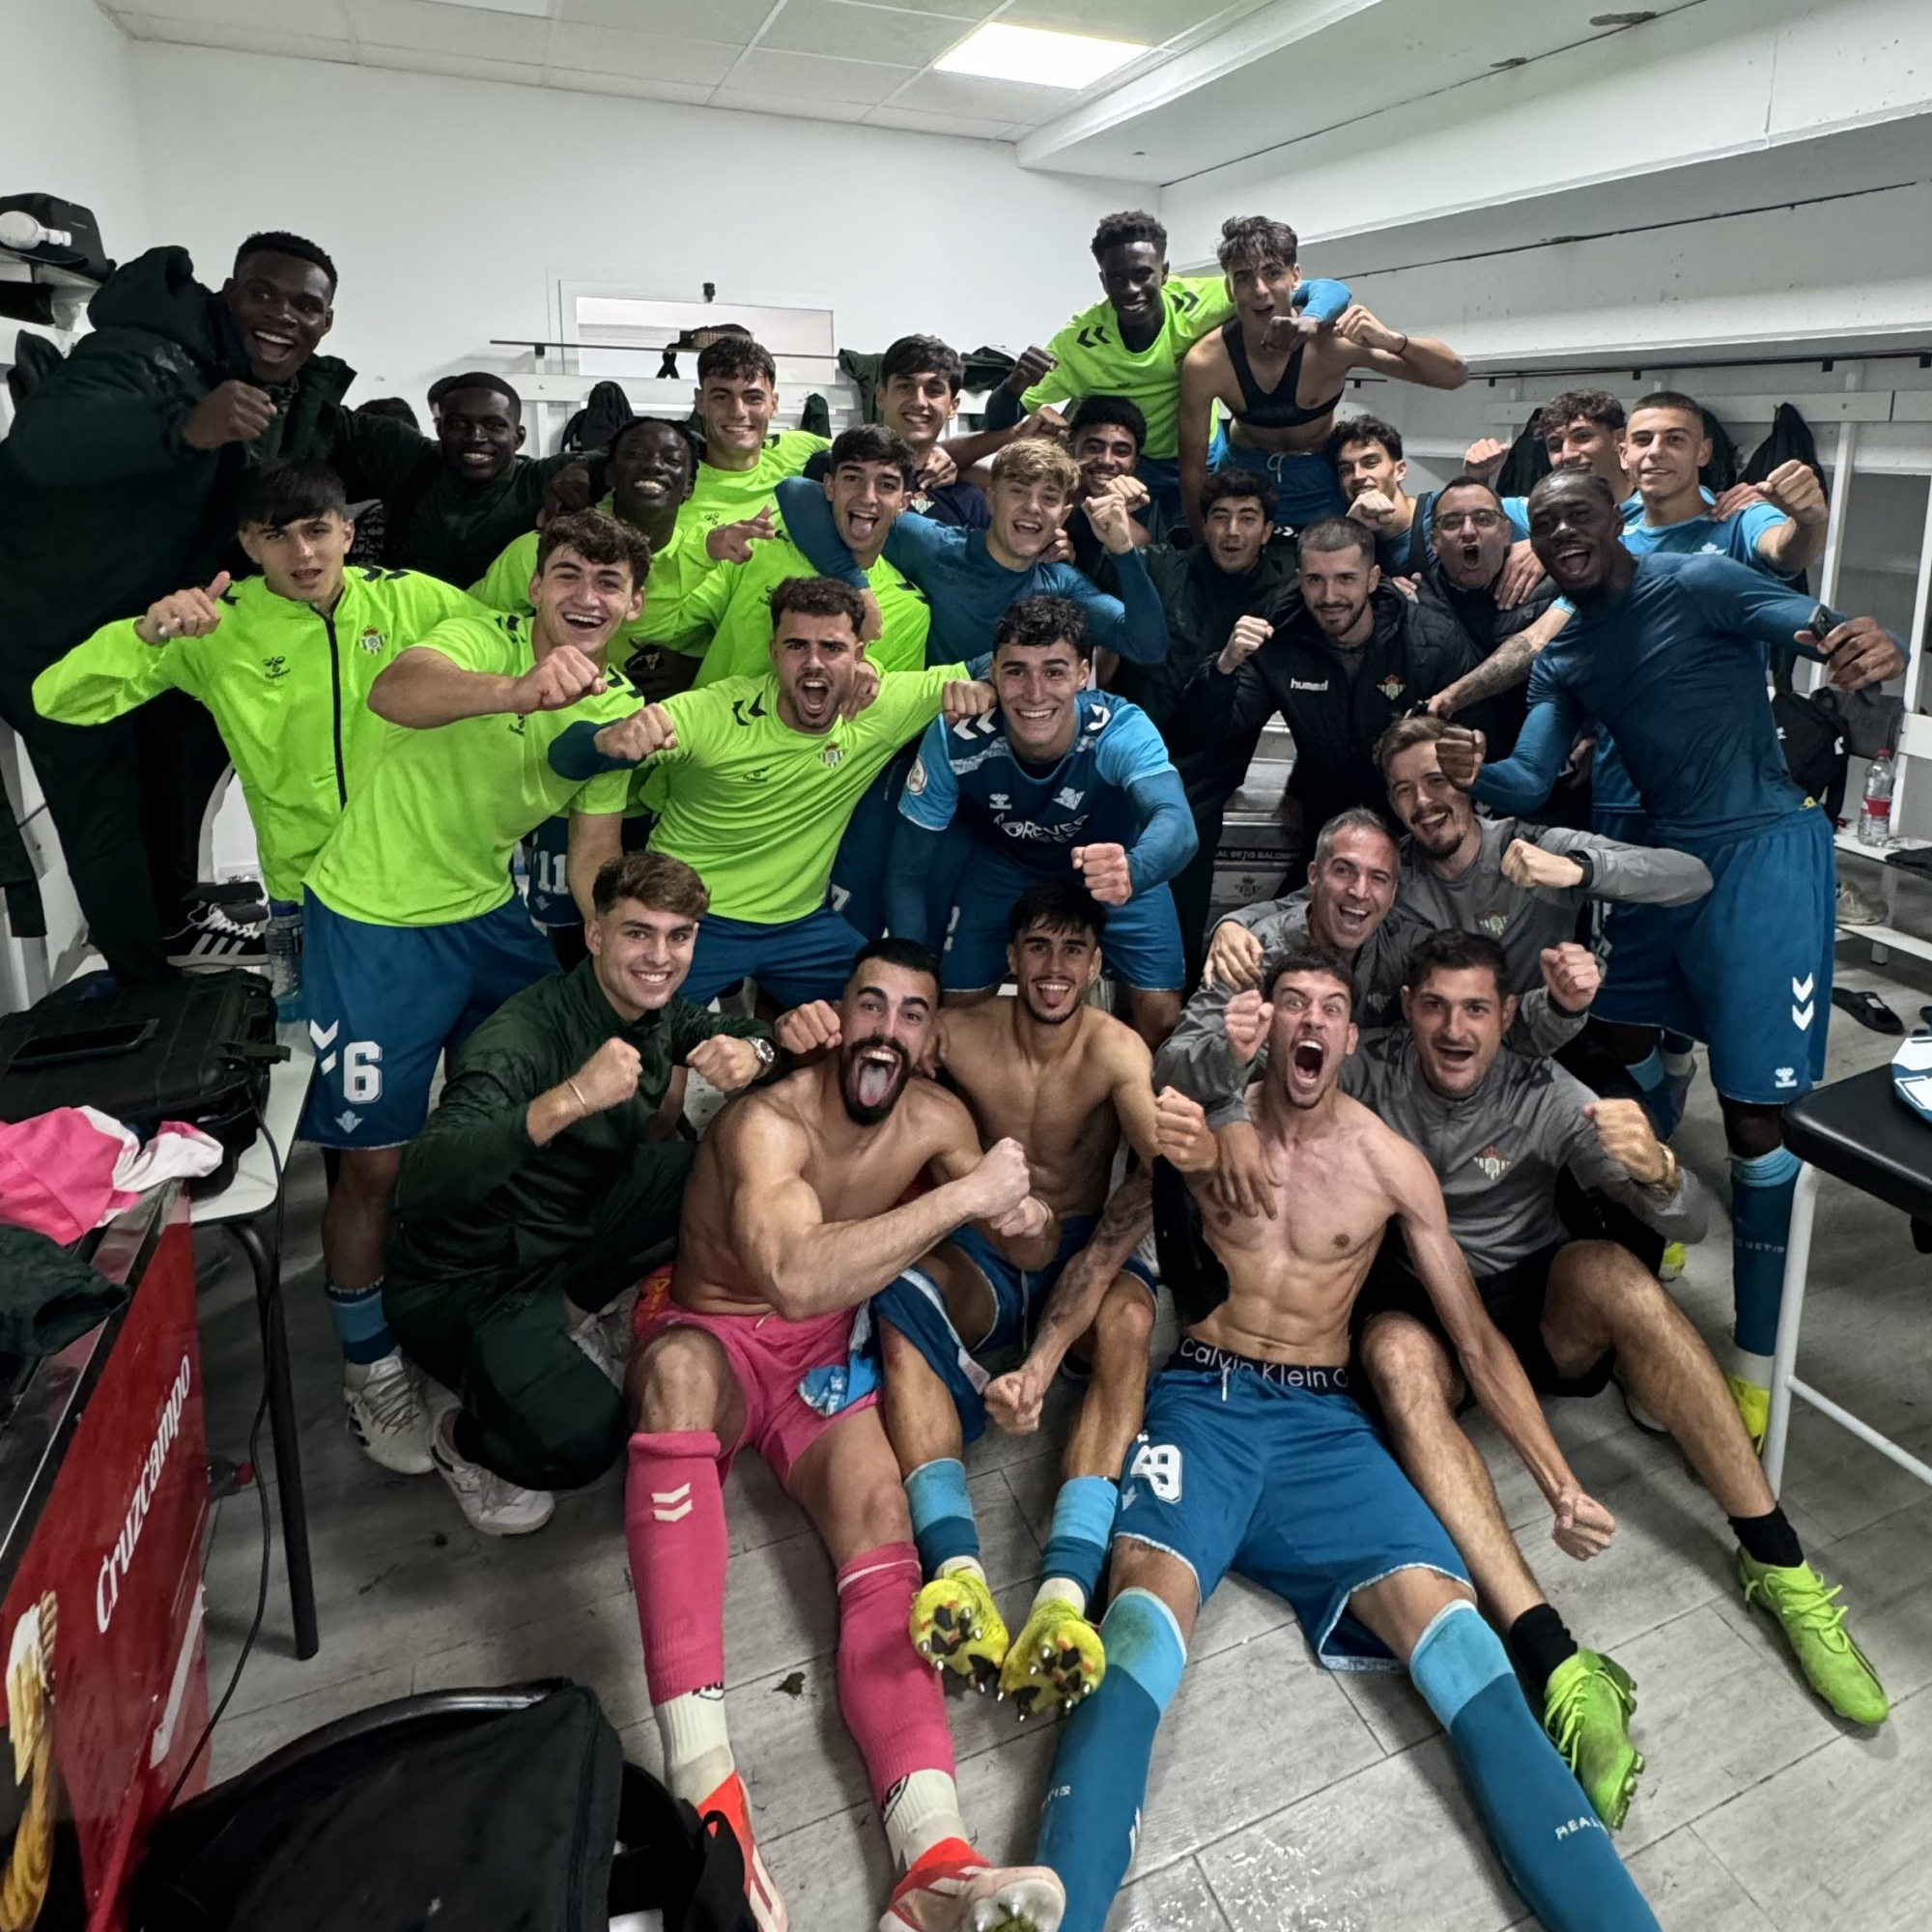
[(800, 960), (1277, 1474), (385, 1001), (914, 1305), (1141, 945), (1746, 969), (545, 852), (1305, 486)]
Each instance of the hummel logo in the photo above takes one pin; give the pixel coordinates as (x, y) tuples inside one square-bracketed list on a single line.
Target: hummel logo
[(1785, 1077), (1092, 336), (518, 725), (1295, 684), (1801, 989), (275, 667), (999, 802), (672, 1505)]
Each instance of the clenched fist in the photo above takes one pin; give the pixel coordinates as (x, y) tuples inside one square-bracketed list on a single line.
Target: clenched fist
[(963, 697), (1485, 458), (183, 613), (608, 1077), (232, 412), (1459, 753), (1015, 1399), (726, 1062), (1527, 865), (1182, 1135), (564, 676), (646, 731), (1572, 976), (1625, 1133), (1247, 636), (1000, 1180), (1246, 1019), (1104, 869), (1031, 364), (806, 1028)]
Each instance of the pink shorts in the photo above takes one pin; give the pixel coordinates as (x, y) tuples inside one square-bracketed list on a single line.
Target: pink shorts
[(769, 1357)]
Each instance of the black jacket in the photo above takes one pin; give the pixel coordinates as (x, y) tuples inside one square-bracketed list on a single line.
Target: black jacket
[(104, 508), (1337, 701), (1477, 616)]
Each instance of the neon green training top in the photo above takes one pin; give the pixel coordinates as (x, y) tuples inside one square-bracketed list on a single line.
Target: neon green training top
[(1091, 361), (289, 690), (427, 838), (757, 808), (730, 495), (731, 605), (677, 567)]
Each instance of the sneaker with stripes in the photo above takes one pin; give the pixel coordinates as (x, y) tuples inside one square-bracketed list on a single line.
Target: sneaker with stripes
[(219, 935)]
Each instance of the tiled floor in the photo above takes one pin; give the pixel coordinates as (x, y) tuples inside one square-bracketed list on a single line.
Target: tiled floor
[(1282, 1796)]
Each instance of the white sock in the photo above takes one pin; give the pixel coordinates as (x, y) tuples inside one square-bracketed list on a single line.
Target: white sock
[(1750, 1368), (1677, 1064), (1061, 1590), (696, 1746), (971, 1566), (923, 1812)]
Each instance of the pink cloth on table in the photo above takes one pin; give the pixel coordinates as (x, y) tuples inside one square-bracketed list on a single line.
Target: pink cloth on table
[(75, 1168)]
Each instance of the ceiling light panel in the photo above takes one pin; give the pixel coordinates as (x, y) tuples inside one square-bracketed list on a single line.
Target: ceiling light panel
[(1037, 56)]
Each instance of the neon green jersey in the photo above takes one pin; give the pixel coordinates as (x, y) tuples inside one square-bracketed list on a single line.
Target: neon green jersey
[(757, 808), (289, 690), (676, 568), (427, 838), (731, 604), (730, 495), (1091, 361)]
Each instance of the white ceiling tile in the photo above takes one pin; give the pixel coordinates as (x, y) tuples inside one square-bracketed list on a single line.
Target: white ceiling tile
[(460, 66), (280, 16), (247, 40), (472, 31), (963, 10), (914, 122), (644, 56), (863, 33), (792, 107), (976, 99), (731, 20), (1147, 21), (809, 77), (633, 87)]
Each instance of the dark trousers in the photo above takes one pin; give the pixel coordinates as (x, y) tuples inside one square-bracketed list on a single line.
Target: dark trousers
[(535, 1408), (127, 800)]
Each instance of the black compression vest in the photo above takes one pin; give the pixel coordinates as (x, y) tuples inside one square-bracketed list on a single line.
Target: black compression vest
[(1276, 407)]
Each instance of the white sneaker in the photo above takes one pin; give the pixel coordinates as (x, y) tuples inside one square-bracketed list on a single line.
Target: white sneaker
[(1854, 908), (595, 1339), (386, 1414), (489, 1504)]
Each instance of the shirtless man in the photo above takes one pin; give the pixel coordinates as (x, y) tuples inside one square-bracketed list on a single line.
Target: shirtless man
[(1255, 1457), (1278, 366), (789, 1226), (1064, 1081)]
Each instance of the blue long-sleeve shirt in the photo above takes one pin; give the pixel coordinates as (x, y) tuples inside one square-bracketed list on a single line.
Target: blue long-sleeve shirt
[(1675, 668), (968, 587)]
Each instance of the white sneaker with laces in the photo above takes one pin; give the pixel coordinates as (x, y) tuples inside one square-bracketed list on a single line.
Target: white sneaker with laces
[(387, 1415), (489, 1504), (1854, 908), (212, 935)]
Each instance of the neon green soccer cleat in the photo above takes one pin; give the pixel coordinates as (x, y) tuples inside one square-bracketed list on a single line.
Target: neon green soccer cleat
[(1058, 1660), (1586, 1712), (1754, 1407), (1814, 1623), (958, 1627)]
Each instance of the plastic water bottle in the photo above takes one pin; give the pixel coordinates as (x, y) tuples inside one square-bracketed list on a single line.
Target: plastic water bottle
[(1875, 812), (281, 939)]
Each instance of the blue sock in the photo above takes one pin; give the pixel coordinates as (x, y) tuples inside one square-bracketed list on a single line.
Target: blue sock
[(360, 1323), (1093, 1812), (941, 1514), (1083, 1521), (1661, 1097), (1552, 1845), (1761, 1190)]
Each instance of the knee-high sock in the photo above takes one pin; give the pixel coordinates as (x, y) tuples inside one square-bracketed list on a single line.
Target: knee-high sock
[(1761, 1189), (1076, 1543), (1100, 1772), (674, 1527), (942, 1517), (1551, 1843), (892, 1704)]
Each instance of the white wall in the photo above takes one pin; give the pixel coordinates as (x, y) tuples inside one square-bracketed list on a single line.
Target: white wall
[(454, 208), (68, 125)]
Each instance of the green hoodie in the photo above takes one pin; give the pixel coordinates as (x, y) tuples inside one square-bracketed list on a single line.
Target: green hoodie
[(104, 508), (289, 688)]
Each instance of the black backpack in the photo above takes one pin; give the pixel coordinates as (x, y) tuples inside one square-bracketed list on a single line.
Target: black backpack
[(463, 1811)]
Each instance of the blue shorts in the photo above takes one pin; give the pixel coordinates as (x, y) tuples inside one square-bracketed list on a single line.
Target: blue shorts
[(1277, 1474), (546, 852), (1746, 969), (1305, 486), (914, 1305), (385, 1001), (1141, 945), (800, 960)]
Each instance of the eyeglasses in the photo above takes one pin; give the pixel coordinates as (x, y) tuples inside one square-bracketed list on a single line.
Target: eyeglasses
[(1453, 520)]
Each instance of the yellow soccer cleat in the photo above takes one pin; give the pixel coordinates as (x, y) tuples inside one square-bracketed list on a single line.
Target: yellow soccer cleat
[(1058, 1661), (1754, 1407), (958, 1627)]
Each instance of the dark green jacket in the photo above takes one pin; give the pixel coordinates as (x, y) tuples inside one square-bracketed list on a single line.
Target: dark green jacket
[(104, 508), (477, 1194)]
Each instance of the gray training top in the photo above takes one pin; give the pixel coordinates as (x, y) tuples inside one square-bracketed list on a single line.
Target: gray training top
[(1498, 1151)]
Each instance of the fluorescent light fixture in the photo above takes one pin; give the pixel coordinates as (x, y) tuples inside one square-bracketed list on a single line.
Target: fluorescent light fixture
[(1036, 55)]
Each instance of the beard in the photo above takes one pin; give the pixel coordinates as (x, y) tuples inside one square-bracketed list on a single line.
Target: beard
[(868, 1090), (1049, 1019)]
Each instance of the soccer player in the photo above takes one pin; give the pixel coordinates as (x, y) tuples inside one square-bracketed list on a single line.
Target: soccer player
[(1500, 1131), (754, 780), (540, 1190), (412, 933), (1669, 654), (793, 1217), (969, 576), (1281, 374), (737, 399), (1339, 661), (283, 663), (1255, 1457), (1129, 344), (117, 482), (1067, 1083), (1371, 468), (1060, 779), (1103, 437)]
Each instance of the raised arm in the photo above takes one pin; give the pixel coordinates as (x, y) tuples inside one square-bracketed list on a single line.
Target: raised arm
[(422, 688), (1559, 859), (1132, 625), (1409, 358), (1504, 668), (1612, 1147), (1796, 541)]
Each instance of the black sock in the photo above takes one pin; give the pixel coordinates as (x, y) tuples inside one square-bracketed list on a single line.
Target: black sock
[(1769, 1539), (1539, 1641)]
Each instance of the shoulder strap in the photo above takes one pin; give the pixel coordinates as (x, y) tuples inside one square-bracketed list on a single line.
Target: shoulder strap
[(1417, 558), (1237, 360), (689, 1869)]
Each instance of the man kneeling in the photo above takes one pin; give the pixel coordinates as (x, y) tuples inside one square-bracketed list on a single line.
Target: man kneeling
[(1256, 1458), (543, 1187), (789, 1227)]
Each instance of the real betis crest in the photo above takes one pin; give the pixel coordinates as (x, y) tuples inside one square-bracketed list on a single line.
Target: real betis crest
[(1391, 687), (373, 642), (829, 756), (1495, 924), (1493, 1163)]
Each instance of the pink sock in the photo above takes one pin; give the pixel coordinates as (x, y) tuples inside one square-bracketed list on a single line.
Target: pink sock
[(674, 1525), (892, 1704)]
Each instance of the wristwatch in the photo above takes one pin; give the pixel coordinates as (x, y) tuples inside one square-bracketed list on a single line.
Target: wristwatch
[(1589, 868), (1666, 1185), (768, 1055)]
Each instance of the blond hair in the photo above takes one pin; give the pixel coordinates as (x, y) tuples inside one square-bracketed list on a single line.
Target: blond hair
[(1036, 459)]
